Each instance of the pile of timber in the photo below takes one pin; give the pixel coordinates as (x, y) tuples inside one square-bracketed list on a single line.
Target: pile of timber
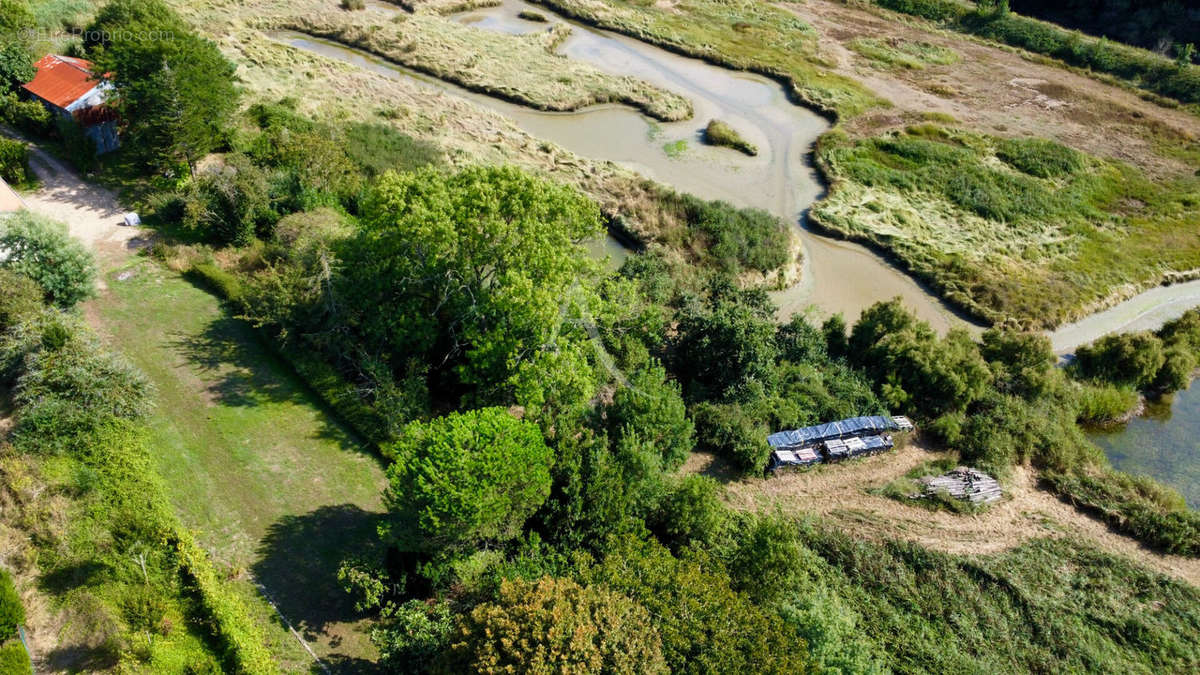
[(964, 483)]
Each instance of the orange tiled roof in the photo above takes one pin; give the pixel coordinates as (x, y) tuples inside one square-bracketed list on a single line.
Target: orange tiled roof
[(61, 80)]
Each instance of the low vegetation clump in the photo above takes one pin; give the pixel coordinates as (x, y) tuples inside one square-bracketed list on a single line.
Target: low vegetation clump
[(901, 54), (720, 133), (743, 35), (354, 5), (1142, 68), (530, 15), (13, 658), (14, 162), (1021, 229)]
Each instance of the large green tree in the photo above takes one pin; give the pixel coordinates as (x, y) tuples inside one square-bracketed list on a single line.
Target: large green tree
[(482, 274), (465, 479), (16, 24), (174, 89), (556, 626)]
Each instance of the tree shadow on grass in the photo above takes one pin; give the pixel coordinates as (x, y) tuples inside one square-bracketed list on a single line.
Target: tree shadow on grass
[(241, 371), (298, 564)]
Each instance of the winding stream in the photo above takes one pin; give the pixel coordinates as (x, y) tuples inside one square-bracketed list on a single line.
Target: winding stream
[(838, 276)]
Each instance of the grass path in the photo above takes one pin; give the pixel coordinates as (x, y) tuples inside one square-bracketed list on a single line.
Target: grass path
[(274, 487)]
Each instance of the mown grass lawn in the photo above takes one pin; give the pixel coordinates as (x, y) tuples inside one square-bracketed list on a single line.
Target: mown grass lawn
[(273, 486)]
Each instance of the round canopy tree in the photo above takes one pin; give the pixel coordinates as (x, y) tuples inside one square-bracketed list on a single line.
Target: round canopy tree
[(464, 479)]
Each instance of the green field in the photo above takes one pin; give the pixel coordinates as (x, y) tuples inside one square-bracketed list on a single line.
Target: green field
[(274, 488)]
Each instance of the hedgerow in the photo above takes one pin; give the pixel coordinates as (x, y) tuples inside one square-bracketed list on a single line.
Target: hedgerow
[(77, 406)]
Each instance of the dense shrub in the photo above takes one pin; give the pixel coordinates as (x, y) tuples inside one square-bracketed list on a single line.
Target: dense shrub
[(12, 611), (722, 345), (733, 433), (230, 204), (67, 384), (556, 625), (1132, 359), (20, 298), (44, 251), (691, 513), (28, 116), (651, 407), (74, 399), (704, 625), (14, 162)]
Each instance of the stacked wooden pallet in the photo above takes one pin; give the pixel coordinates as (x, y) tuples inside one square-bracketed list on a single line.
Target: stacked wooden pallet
[(966, 484)]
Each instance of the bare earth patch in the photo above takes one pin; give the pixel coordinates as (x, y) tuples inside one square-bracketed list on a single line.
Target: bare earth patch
[(839, 494), (997, 90)]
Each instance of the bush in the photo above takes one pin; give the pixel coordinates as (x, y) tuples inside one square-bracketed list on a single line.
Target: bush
[(14, 162), (1132, 359), (691, 513), (1179, 364), (67, 384), (720, 133), (651, 406), (20, 298), (13, 659), (230, 205), (556, 625), (730, 431), (705, 626), (224, 284), (465, 479), (28, 116), (44, 251), (354, 5), (12, 612)]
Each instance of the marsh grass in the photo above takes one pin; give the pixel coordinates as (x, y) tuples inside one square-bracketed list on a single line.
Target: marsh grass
[(530, 15), (675, 149), (719, 133), (739, 34), (895, 53), (1024, 229)]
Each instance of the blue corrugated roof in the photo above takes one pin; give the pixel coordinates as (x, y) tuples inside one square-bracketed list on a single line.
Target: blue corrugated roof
[(854, 426)]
